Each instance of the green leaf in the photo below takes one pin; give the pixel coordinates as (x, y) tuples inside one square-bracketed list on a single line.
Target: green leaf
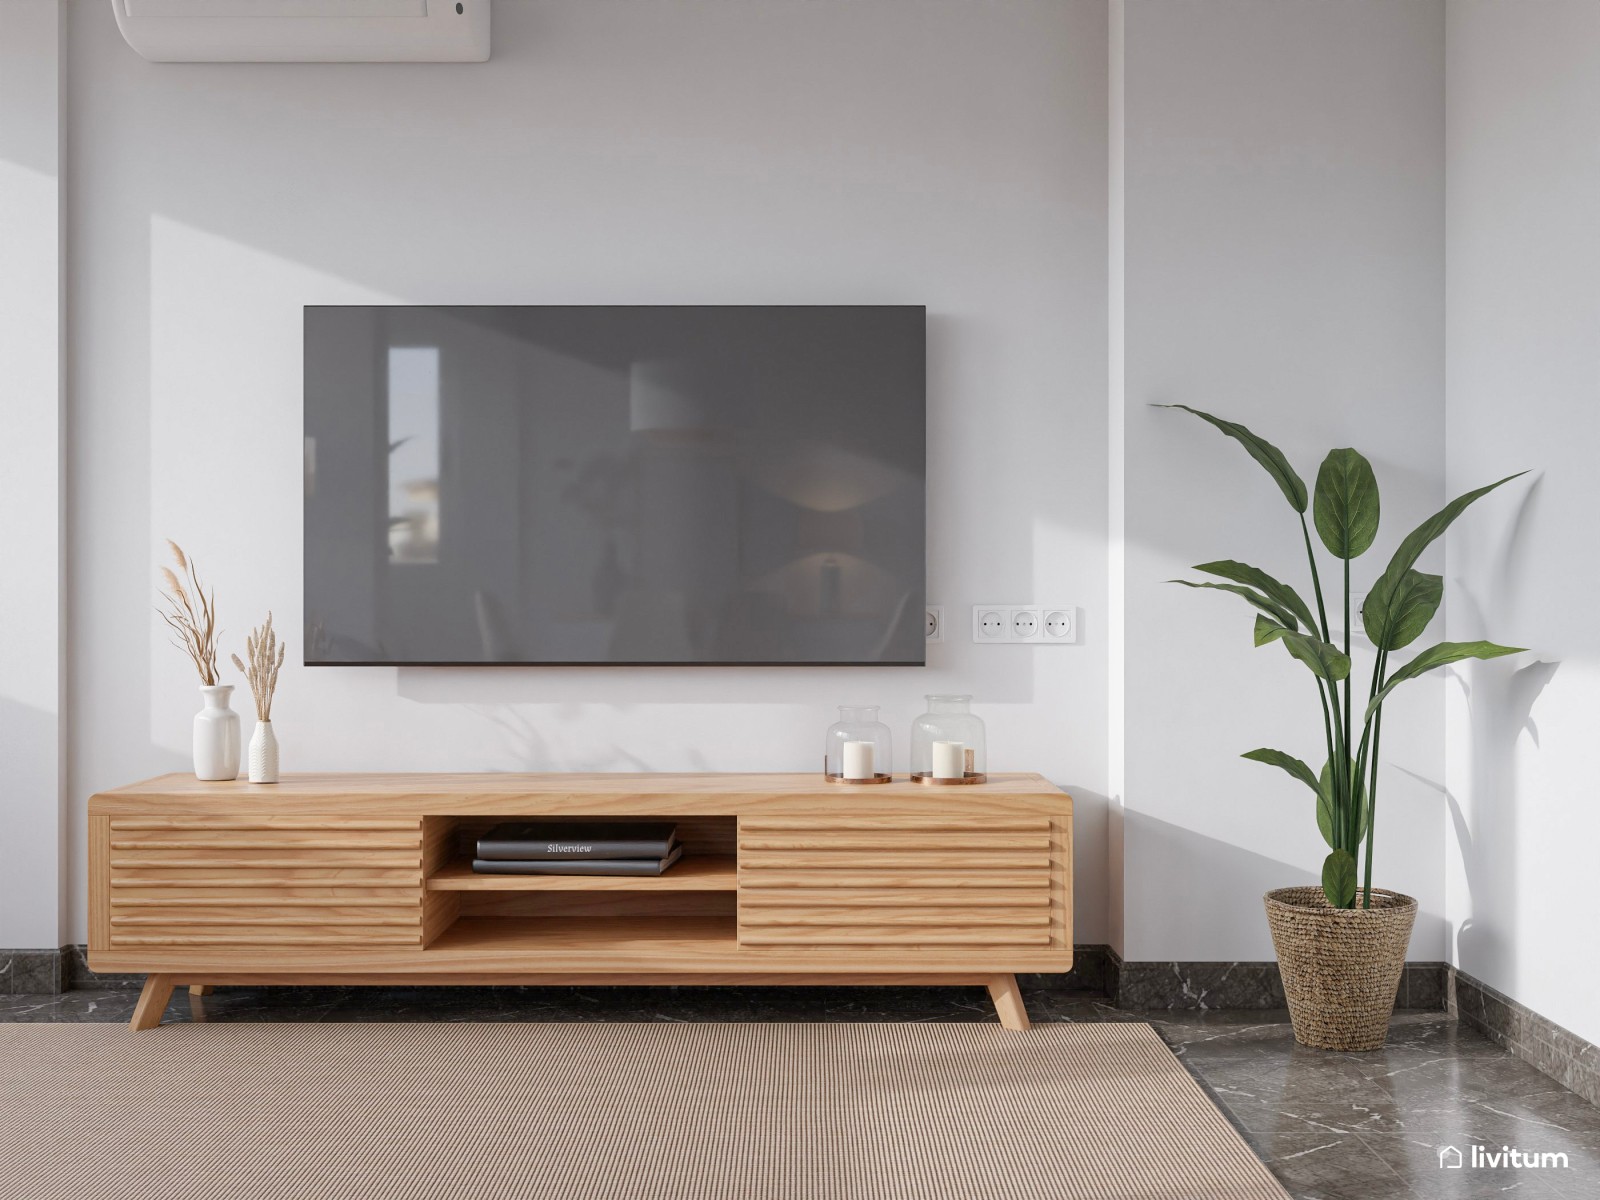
[(1263, 451), (1277, 613), (1279, 593), (1423, 535), (1327, 816), (1399, 608), (1440, 655), (1339, 879), (1268, 630), (1346, 504), (1327, 822), (1326, 661), (1286, 762)]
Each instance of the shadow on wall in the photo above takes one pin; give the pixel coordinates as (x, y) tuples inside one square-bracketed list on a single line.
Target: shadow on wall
[(531, 748), (1499, 711), (1499, 700), (1091, 822), (1183, 873), (1204, 896)]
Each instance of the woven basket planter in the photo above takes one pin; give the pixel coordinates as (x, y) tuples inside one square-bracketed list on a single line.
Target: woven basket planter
[(1341, 966)]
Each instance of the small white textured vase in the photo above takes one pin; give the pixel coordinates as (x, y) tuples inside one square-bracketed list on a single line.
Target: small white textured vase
[(263, 754), (216, 735)]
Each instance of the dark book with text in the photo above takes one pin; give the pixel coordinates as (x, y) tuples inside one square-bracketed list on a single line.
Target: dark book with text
[(578, 866), (533, 841)]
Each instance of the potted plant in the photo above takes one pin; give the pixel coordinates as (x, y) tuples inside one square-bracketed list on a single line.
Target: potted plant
[(1341, 947)]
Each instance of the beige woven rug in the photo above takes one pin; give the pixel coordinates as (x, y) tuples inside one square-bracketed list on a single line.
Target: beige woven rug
[(623, 1112)]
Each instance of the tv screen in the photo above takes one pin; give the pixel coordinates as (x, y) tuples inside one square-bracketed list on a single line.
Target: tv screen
[(614, 485)]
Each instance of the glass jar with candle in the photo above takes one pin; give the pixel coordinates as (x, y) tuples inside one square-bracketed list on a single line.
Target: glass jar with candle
[(859, 748), (948, 745)]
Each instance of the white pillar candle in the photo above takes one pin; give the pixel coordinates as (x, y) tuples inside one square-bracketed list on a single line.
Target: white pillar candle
[(949, 760), (858, 760)]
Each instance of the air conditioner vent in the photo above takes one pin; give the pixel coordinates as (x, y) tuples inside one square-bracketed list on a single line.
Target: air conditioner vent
[(306, 30)]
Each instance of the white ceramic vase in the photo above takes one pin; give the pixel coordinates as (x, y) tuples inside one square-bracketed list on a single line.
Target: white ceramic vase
[(216, 735), (263, 754)]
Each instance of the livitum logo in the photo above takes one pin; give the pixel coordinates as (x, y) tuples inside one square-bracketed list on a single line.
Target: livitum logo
[(1485, 1158)]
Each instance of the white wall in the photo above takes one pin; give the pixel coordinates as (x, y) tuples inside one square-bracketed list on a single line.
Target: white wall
[(1524, 391), (1282, 260), (945, 153), (31, 592)]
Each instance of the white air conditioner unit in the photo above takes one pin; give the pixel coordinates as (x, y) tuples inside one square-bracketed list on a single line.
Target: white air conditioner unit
[(306, 30)]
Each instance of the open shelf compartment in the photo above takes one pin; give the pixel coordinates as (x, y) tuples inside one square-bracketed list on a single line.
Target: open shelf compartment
[(694, 900)]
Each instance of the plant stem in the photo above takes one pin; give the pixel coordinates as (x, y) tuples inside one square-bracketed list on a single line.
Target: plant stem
[(1339, 772), (1349, 686), (1339, 758), (1372, 810), (1327, 733), (1378, 669), (1316, 581), (1327, 720)]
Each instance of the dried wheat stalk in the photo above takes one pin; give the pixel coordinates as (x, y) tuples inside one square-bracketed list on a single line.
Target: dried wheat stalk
[(192, 614), (265, 656)]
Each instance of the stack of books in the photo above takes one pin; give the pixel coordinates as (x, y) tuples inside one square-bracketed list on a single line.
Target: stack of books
[(571, 848)]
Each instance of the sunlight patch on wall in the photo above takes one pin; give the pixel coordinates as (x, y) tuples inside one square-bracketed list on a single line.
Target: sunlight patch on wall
[(226, 452)]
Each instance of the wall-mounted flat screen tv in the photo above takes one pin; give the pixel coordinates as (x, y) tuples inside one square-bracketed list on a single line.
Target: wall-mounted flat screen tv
[(622, 485)]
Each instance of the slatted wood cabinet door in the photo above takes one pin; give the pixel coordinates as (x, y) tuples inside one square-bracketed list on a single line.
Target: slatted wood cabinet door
[(209, 883), (899, 881)]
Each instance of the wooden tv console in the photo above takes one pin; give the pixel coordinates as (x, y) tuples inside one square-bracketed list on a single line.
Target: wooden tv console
[(786, 879)]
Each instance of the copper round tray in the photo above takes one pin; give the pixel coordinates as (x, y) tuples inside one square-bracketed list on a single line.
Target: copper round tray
[(843, 782), (970, 777)]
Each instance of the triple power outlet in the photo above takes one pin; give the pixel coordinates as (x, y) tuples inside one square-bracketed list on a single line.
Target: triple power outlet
[(1035, 624)]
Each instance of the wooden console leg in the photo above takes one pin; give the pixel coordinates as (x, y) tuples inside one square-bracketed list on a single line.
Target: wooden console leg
[(152, 1001), (1007, 999), (201, 989)]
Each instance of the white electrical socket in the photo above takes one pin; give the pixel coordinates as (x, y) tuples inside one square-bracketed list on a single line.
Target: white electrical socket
[(1061, 625), (1031, 624), (933, 627)]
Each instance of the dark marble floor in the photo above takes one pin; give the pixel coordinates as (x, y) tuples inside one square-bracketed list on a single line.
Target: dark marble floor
[(1331, 1126)]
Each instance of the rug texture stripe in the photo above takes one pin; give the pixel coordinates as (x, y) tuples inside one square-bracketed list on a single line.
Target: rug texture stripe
[(620, 1112)]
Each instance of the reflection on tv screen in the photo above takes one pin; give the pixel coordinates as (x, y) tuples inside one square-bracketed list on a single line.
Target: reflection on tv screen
[(614, 485)]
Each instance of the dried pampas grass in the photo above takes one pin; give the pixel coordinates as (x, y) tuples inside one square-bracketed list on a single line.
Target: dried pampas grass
[(265, 656), (192, 615)]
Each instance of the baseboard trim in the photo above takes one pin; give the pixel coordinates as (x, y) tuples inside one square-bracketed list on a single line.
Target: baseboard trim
[(1167, 986), (1095, 968), (33, 972), (1559, 1053)]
